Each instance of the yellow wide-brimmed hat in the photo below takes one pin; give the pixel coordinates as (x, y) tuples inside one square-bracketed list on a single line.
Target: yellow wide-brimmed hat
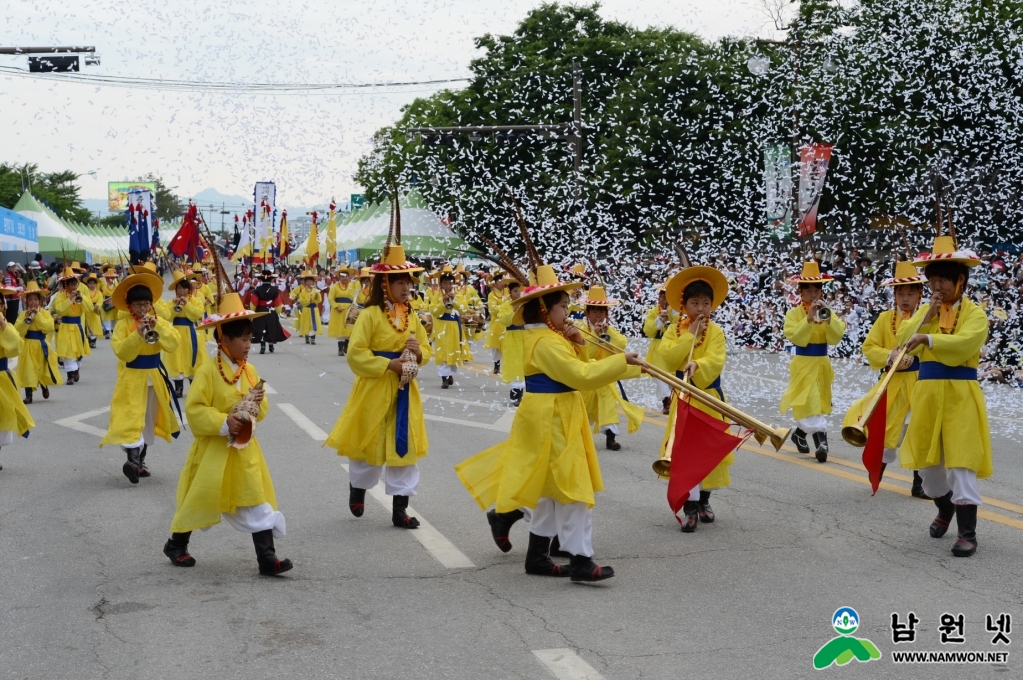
[(596, 296), (178, 278), (8, 292), (945, 250), (119, 298), (67, 275), (546, 282), (345, 269), (307, 274), (108, 270), (811, 274), (394, 262), (231, 308), (676, 285), (906, 274), (32, 288), (148, 268), (91, 277)]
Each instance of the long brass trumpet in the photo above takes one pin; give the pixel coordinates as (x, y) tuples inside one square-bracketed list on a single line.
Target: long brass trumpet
[(856, 435), (150, 336), (30, 316), (761, 431)]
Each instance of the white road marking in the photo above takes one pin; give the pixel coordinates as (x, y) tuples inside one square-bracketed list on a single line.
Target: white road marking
[(74, 422), (566, 664), (268, 389), (441, 548), (499, 426), (482, 404), (758, 377)]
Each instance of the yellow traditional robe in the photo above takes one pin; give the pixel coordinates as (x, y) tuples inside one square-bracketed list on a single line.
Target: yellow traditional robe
[(810, 377), (512, 369), (495, 329), (879, 343), (341, 299), (14, 416), (217, 478), (450, 339), (602, 403), (550, 451), (307, 318), (365, 430), (949, 416), (655, 334), (36, 367), (190, 353), (129, 401), (709, 355), (71, 337), (473, 304), (93, 320), (106, 287)]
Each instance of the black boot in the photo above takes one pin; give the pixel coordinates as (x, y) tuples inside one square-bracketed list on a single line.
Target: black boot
[(46, 391), (538, 563), (307, 339), (691, 510), (28, 396), (356, 500), (584, 570), (271, 348), (444, 382), (556, 550), (92, 342), (884, 466), (966, 544), (131, 468), (312, 340), (179, 388), (399, 517), (340, 348), (820, 441), (706, 514), (946, 509), (143, 470), (918, 486), (500, 527), (106, 335), (266, 556), (497, 368), (666, 406), (516, 396), (176, 549), (262, 348), (799, 439), (610, 442)]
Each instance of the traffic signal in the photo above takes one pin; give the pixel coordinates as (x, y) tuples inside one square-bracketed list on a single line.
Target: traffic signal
[(437, 140), (53, 64)]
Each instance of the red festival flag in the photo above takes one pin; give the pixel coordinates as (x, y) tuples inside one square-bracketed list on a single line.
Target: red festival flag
[(873, 452), (701, 443)]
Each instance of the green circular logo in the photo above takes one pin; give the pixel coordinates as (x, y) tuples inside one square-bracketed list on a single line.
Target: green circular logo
[(845, 621)]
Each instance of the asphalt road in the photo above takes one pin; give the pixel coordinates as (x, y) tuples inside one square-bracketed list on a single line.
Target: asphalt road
[(88, 594)]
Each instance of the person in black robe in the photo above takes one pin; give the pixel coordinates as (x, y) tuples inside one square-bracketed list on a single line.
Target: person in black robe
[(265, 297)]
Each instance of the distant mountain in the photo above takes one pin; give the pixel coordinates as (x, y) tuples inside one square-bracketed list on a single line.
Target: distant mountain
[(233, 203)]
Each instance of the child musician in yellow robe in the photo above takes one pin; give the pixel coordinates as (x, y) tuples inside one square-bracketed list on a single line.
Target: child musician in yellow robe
[(71, 343), (382, 429), (948, 438), (511, 342), (658, 319), (602, 404), (450, 341), (342, 296), (93, 321), (880, 348), (15, 420), (108, 313), (37, 363), (549, 463), (306, 297), (225, 474), (142, 405), (811, 327), (497, 296), (187, 311)]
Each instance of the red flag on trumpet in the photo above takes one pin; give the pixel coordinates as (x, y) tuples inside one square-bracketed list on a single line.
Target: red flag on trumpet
[(873, 452), (700, 443)]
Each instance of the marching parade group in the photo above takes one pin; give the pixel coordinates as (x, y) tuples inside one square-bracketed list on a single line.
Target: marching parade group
[(551, 341)]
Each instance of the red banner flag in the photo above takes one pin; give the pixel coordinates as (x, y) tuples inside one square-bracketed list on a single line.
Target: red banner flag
[(813, 168), (700, 444), (873, 452)]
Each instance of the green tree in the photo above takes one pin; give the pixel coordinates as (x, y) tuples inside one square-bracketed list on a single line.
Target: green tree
[(58, 190), (168, 205)]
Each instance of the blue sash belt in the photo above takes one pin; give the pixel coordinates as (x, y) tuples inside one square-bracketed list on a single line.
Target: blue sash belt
[(41, 337), (934, 370), (146, 361), (513, 327), (312, 312), (541, 383), (343, 300), (814, 349), (77, 320), (716, 385), (401, 423), (456, 319), (182, 321)]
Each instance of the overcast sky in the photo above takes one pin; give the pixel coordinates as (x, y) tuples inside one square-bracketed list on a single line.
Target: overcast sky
[(307, 143)]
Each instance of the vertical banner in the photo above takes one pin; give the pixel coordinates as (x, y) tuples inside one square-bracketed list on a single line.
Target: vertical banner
[(813, 168), (140, 224), (332, 232), (265, 195), (778, 189)]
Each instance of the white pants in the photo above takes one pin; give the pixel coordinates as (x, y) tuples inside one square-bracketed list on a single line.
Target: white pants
[(251, 519), (149, 429), (446, 370), (7, 437), (663, 391), (813, 424), (517, 385), (495, 353), (694, 493), (572, 524), (398, 481), (108, 325), (613, 428), (962, 482), (70, 365)]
